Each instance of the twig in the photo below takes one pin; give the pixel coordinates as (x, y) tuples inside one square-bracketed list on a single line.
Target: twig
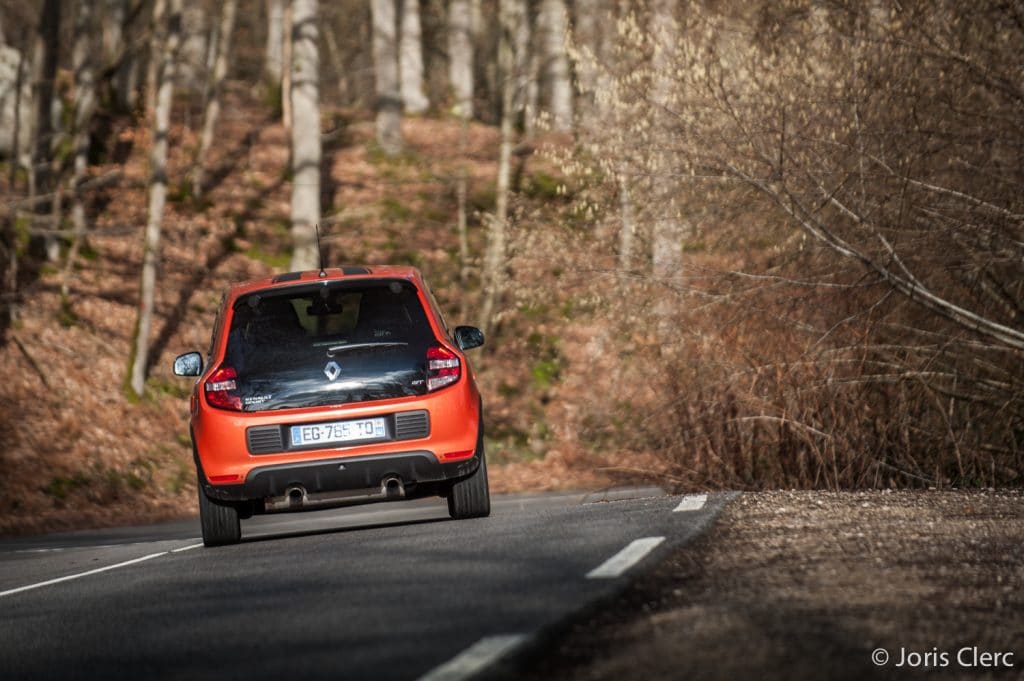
[(31, 360)]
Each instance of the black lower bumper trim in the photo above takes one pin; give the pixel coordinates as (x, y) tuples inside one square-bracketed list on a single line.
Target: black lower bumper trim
[(351, 473)]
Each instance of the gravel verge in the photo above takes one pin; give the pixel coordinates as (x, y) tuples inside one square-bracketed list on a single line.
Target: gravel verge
[(795, 585)]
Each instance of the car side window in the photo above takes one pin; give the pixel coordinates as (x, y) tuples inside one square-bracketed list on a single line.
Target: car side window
[(217, 323), (437, 311)]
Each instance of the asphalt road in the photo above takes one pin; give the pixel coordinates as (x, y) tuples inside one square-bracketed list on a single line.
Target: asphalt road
[(389, 591)]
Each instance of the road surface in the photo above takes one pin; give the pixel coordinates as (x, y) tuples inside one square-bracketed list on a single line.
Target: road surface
[(389, 591)]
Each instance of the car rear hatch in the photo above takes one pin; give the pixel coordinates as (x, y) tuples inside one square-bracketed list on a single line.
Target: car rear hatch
[(327, 343)]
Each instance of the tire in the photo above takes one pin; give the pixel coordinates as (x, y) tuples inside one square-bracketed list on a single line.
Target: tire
[(471, 496), (220, 522)]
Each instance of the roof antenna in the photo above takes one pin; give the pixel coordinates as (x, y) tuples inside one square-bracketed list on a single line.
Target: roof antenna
[(320, 252)]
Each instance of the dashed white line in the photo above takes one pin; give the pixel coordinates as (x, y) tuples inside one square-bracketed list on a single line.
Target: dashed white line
[(187, 548), (474, 658), (68, 578), (626, 558), (691, 502)]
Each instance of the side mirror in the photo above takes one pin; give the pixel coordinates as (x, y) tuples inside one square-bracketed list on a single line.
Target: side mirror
[(468, 337), (189, 364)]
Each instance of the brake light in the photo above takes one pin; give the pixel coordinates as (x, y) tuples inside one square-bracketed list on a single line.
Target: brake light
[(218, 389), (443, 368)]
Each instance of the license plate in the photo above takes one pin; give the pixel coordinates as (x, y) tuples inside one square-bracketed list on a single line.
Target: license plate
[(339, 431)]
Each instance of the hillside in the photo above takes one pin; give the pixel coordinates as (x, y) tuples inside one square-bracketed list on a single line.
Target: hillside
[(79, 453)]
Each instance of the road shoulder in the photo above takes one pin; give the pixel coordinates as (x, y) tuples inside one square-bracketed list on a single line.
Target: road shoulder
[(807, 585)]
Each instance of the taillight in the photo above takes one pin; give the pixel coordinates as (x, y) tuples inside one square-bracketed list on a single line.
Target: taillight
[(443, 367), (219, 387)]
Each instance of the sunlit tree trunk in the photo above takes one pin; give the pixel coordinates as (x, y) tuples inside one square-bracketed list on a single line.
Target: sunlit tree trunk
[(410, 58), (385, 66), (83, 62), (460, 56), (168, 54), (220, 71), (668, 231), (553, 28), (158, 27), (306, 149), (497, 226)]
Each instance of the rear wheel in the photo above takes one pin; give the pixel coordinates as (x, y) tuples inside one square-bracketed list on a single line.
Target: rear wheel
[(219, 520), (471, 496)]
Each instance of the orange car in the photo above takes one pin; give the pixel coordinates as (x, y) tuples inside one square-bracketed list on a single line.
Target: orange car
[(334, 387)]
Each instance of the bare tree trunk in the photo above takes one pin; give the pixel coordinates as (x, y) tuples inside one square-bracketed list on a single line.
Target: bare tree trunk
[(385, 65), (339, 64), (461, 226), (627, 228), (523, 55), (220, 71), (306, 150), (554, 27), (668, 230), (117, 51), (410, 59), (158, 26), (287, 50), (587, 39), (460, 56), (44, 65), (497, 227), (460, 76), (85, 104), (274, 58), (168, 52)]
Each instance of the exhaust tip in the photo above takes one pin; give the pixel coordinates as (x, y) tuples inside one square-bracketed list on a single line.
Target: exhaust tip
[(392, 488), (296, 495)]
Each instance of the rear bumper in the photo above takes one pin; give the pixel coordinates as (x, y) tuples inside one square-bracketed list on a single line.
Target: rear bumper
[(339, 474)]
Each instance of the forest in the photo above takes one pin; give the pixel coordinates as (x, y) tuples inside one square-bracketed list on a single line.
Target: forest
[(713, 244)]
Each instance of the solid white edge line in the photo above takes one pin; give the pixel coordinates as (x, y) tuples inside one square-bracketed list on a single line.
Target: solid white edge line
[(187, 548), (474, 658), (68, 578), (691, 502), (626, 558)]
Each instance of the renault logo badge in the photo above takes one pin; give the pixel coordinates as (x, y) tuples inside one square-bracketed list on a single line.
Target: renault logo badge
[(332, 370)]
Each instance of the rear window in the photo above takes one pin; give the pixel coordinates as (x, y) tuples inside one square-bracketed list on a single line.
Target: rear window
[(328, 343)]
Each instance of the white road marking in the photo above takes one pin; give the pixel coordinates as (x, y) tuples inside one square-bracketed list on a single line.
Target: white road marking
[(625, 559), (68, 578), (474, 658), (187, 548), (691, 502)]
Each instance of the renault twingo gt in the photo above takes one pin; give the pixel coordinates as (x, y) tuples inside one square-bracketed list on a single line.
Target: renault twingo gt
[(333, 387)]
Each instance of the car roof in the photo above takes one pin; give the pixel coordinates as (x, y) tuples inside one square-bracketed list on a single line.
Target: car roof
[(345, 273)]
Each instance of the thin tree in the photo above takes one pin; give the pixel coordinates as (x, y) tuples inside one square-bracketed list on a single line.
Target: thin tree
[(158, 27), (85, 105), (385, 66), (554, 27), (306, 149), (168, 53), (410, 58), (212, 112), (286, 73), (46, 53), (669, 230), (273, 56), (497, 226), (460, 56)]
